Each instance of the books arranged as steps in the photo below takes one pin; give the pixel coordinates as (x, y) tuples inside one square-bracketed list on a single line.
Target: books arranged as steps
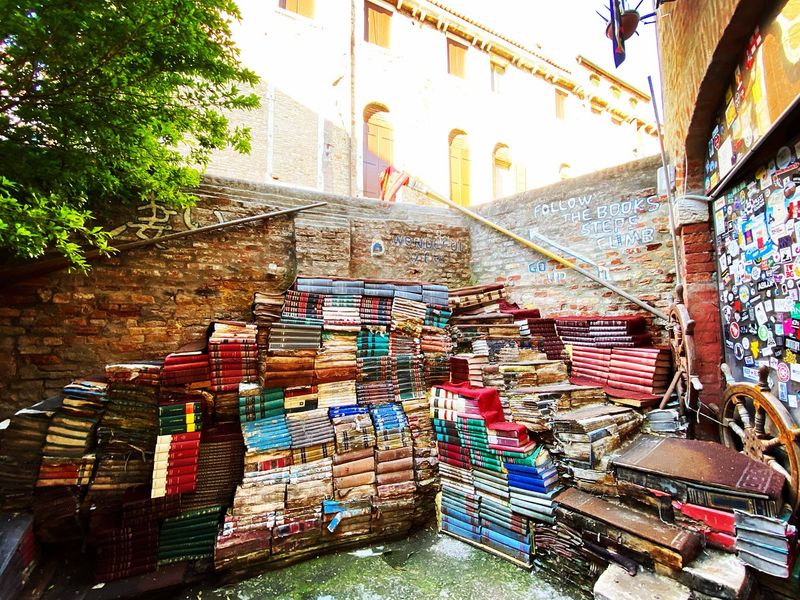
[(294, 336), (532, 373), (766, 544), (591, 365), (302, 308), (233, 354), (485, 298), (544, 330), (702, 473), (603, 332), (267, 307), (664, 543), (187, 367), (666, 420), (341, 313), (468, 368), (641, 370), (590, 433)]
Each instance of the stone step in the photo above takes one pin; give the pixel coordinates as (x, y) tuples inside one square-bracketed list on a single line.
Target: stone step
[(616, 584)]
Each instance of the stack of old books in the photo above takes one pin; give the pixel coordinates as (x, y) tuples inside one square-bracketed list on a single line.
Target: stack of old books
[(590, 365), (400, 343), (189, 367), (437, 317), (303, 308), (391, 426), (765, 543), (408, 377), (437, 368), (257, 403), (354, 474), (589, 434), (352, 427), (338, 393), (533, 373), (395, 472), (468, 368), (408, 316), (180, 422), (459, 512), (336, 360), (376, 311), (435, 341), (127, 544), (269, 433), (372, 343), (289, 369), (267, 308), (67, 457), (300, 398), (543, 330), (18, 553), (424, 442), (690, 472), (219, 467), (435, 295), (604, 332), (505, 531), (127, 432), (310, 483), (482, 298), (408, 291), (145, 373), (189, 536), (21, 440), (610, 526), (641, 372), (379, 289), (294, 336), (346, 519), (312, 435), (533, 483), (341, 313), (233, 354)]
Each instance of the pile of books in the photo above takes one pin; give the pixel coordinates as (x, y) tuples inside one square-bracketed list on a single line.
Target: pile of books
[(766, 544), (233, 354)]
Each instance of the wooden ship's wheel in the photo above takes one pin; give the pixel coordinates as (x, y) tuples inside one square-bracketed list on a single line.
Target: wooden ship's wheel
[(685, 381), (756, 423)]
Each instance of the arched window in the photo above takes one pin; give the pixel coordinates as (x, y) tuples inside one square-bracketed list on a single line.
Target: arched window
[(501, 171), (378, 147), (459, 168)]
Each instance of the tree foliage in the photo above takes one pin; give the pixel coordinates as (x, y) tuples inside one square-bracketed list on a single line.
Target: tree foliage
[(108, 102)]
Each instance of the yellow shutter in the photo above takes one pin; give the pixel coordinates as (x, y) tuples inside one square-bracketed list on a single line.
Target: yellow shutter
[(459, 170), (377, 23)]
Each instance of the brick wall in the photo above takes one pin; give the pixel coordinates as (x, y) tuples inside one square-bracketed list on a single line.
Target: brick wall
[(611, 217), (148, 302)]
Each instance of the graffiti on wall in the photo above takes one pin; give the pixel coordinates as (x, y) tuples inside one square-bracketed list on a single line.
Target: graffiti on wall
[(428, 249)]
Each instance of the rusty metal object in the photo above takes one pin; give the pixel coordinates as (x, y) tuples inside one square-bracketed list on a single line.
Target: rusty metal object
[(755, 422), (680, 329)]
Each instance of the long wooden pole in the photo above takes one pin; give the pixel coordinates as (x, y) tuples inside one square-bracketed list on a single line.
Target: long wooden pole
[(14, 274), (421, 187)]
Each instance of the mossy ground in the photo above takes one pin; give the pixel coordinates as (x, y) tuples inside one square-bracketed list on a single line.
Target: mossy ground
[(425, 565)]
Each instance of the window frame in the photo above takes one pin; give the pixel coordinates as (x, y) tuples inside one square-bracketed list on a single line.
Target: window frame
[(383, 38)]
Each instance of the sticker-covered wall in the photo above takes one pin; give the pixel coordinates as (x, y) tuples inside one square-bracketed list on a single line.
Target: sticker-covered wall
[(148, 302), (610, 222), (757, 225)]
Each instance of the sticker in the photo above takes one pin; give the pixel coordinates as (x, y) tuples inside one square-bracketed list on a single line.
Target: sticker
[(754, 348), (793, 401), (784, 157), (763, 333), (744, 293), (793, 345), (738, 351), (783, 372), (782, 305), (734, 329), (794, 372), (750, 373), (790, 357), (783, 392), (761, 315)]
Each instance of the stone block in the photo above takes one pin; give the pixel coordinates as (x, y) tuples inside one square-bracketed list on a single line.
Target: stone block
[(616, 584)]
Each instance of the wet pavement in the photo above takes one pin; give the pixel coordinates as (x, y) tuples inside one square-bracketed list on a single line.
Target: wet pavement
[(424, 566)]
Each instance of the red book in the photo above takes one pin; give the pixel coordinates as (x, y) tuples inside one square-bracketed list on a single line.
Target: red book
[(636, 379)]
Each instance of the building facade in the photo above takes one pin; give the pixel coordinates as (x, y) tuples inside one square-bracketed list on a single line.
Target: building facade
[(350, 86)]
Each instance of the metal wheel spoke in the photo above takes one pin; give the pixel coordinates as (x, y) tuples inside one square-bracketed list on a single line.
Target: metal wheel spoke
[(734, 427), (771, 443), (760, 420), (744, 416)]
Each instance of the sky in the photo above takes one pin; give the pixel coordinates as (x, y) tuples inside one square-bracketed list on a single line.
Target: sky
[(566, 28)]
